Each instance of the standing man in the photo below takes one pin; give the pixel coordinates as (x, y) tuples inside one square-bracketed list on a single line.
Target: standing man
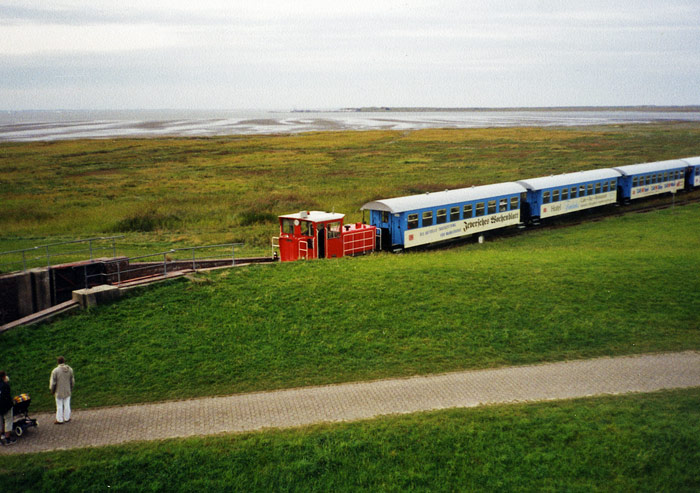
[(6, 408), (61, 385)]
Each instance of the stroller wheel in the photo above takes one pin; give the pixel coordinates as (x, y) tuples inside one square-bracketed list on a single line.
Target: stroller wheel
[(19, 430)]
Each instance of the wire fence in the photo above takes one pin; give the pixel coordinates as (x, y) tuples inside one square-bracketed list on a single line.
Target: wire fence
[(57, 253), (120, 270)]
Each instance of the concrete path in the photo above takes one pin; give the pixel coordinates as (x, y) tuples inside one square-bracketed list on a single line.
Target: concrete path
[(355, 401)]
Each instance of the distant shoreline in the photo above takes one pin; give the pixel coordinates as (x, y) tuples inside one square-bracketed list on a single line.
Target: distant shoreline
[(426, 109)]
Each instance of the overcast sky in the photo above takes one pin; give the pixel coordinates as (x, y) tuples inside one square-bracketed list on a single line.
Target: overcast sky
[(284, 54)]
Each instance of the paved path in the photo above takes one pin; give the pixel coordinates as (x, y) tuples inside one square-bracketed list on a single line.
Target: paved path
[(354, 401)]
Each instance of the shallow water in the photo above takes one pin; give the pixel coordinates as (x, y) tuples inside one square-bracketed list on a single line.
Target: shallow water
[(57, 125)]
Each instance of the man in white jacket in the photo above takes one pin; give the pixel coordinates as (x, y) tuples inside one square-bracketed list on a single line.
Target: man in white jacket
[(61, 385)]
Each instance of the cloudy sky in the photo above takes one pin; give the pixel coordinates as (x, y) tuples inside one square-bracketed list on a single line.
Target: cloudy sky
[(322, 54)]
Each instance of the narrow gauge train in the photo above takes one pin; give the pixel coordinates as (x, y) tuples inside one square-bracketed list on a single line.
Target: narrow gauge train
[(406, 222)]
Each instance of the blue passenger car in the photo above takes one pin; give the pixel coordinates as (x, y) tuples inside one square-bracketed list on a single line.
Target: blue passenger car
[(643, 180), (692, 173), (428, 218), (571, 192)]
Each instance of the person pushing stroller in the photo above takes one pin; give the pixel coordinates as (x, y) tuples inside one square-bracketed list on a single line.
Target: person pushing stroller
[(6, 405)]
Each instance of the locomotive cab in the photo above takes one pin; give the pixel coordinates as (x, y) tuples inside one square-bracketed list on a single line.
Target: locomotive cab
[(315, 234)]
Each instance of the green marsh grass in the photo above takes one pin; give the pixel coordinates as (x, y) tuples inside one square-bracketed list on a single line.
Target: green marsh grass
[(640, 443), (622, 285), (194, 191)]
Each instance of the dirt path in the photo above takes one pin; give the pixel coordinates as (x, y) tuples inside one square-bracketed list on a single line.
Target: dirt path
[(362, 400)]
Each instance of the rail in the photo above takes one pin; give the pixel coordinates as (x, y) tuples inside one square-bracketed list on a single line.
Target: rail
[(43, 255), (167, 262)]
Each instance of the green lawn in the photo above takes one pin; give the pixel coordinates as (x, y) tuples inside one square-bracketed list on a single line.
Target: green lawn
[(640, 443), (618, 286)]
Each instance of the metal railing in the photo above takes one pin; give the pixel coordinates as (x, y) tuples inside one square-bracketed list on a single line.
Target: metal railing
[(168, 261), (362, 240), (45, 255)]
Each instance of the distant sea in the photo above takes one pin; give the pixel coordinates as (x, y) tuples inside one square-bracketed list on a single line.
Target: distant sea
[(64, 124)]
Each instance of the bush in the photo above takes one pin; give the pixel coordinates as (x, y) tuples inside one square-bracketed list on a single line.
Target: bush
[(145, 221)]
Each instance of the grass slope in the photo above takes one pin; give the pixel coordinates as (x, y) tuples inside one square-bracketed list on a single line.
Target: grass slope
[(618, 286), (631, 443)]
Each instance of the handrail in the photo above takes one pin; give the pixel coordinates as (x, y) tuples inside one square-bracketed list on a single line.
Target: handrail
[(48, 254), (165, 262)]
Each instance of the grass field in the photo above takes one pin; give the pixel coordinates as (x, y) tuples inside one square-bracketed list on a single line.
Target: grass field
[(635, 443), (622, 285), (188, 192), (616, 286)]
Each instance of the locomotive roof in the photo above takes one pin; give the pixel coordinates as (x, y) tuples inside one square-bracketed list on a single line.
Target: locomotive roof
[(693, 161), (634, 169), (568, 179), (314, 216), (447, 197)]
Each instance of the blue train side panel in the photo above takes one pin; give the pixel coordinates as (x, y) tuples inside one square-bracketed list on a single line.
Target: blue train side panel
[(570, 192), (644, 180), (424, 219)]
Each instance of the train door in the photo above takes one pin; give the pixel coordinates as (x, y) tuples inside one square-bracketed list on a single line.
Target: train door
[(321, 240)]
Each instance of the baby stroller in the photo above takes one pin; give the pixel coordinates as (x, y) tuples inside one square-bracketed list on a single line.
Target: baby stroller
[(20, 409)]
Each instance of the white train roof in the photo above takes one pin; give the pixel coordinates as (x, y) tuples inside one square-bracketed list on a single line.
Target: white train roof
[(568, 179), (634, 169), (693, 161), (437, 199), (314, 216)]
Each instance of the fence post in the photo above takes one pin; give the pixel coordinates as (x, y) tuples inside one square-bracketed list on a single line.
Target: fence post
[(119, 274), (233, 255), (165, 263), (90, 245), (114, 248), (194, 265)]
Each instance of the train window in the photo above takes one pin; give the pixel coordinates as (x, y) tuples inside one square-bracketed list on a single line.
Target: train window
[(653, 178), (589, 189), (666, 176), (427, 218), (502, 205), (467, 211), (333, 230), (513, 203), (492, 207), (545, 197), (565, 194), (659, 177), (441, 216), (480, 209), (307, 228), (288, 226), (678, 175), (385, 217), (635, 181), (597, 188), (582, 191), (605, 187), (555, 195), (612, 185), (647, 179), (454, 214), (412, 221), (573, 192)]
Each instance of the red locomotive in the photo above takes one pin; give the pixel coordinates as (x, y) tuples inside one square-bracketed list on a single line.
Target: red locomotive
[(315, 234)]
